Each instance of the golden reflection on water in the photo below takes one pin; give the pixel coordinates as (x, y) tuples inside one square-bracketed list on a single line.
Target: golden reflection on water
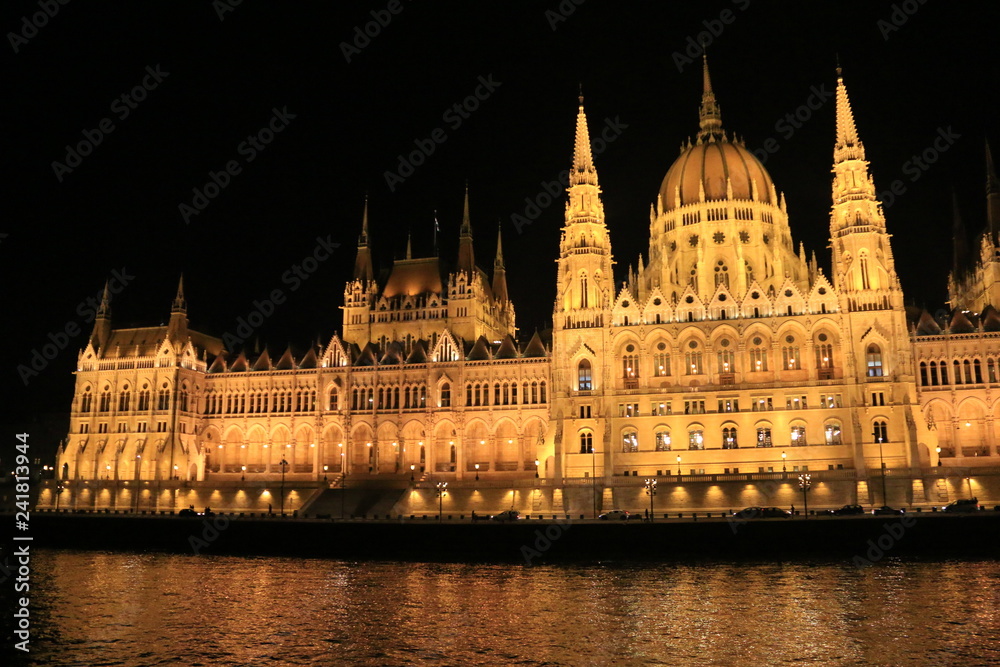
[(128, 609)]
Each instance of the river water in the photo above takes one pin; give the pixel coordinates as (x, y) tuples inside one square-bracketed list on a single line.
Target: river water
[(98, 608)]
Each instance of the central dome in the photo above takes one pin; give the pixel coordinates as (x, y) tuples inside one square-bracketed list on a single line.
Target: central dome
[(708, 168), (702, 170)]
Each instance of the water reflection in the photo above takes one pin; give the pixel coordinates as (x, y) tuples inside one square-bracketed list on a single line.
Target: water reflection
[(127, 609)]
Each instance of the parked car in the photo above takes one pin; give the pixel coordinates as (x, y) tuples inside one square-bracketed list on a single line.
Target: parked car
[(615, 515), (187, 511), (846, 510), (885, 510), (962, 505), (771, 512), (507, 515)]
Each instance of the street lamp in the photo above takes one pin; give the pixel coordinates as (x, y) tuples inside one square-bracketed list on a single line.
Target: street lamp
[(939, 456), (283, 465), (59, 490), (325, 469), (805, 481), (783, 467), (651, 491), (537, 463), (678, 466), (441, 493), (107, 475), (969, 482), (878, 436), (477, 472), (412, 468), (243, 473)]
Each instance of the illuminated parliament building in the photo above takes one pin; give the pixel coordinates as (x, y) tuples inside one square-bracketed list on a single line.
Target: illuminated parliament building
[(728, 350)]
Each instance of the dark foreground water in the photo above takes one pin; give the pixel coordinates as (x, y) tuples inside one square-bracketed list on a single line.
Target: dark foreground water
[(95, 608)]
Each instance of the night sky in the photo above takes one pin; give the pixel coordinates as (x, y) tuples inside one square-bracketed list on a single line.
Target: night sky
[(212, 76)]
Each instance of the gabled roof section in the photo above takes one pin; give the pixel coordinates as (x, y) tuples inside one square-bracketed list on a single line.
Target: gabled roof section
[(480, 351), (990, 319), (507, 349), (219, 365), (393, 355), (960, 323), (286, 362), (263, 362), (309, 359), (535, 347), (447, 348), (927, 326), (240, 364), (418, 353), (335, 353), (367, 356)]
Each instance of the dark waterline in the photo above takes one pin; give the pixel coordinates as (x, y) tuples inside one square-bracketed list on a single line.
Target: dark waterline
[(101, 608)]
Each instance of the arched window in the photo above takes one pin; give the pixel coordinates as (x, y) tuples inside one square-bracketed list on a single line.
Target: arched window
[(663, 441), (727, 360), (87, 399), (584, 301), (832, 433), (105, 402), (586, 442), (764, 436), (661, 360), (630, 366), (163, 400), (729, 438), (696, 438), (758, 358), (923, 373), (183, 399), (584, 375), (798, 435), (446, 395), (334, 401), (824, 355), (874, 356), (880, 431), (630, 441)]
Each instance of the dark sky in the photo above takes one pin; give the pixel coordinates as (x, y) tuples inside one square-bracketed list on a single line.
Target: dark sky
[(118, 209)]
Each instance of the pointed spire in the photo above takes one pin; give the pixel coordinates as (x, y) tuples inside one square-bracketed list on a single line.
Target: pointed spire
[(179, 305), (409, 245), (363, 262), (583, 172), (499, 272), (848, 146), (466, 253), (709, 114), (104, 311)]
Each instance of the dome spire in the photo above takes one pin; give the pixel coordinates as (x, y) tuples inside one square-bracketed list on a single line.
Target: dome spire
[(710, 116), (583, 172)]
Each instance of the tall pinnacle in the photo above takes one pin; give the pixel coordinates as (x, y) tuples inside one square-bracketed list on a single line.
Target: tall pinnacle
[(409, 245), (848, 146), (583, 172), (363, 261), (104, 311), (466, 254), (179, 305), (709, 114), (499, 273)]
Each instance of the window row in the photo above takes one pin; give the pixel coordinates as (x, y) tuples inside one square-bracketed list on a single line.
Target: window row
[(695, 438), (504, 393), (965, 371)]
